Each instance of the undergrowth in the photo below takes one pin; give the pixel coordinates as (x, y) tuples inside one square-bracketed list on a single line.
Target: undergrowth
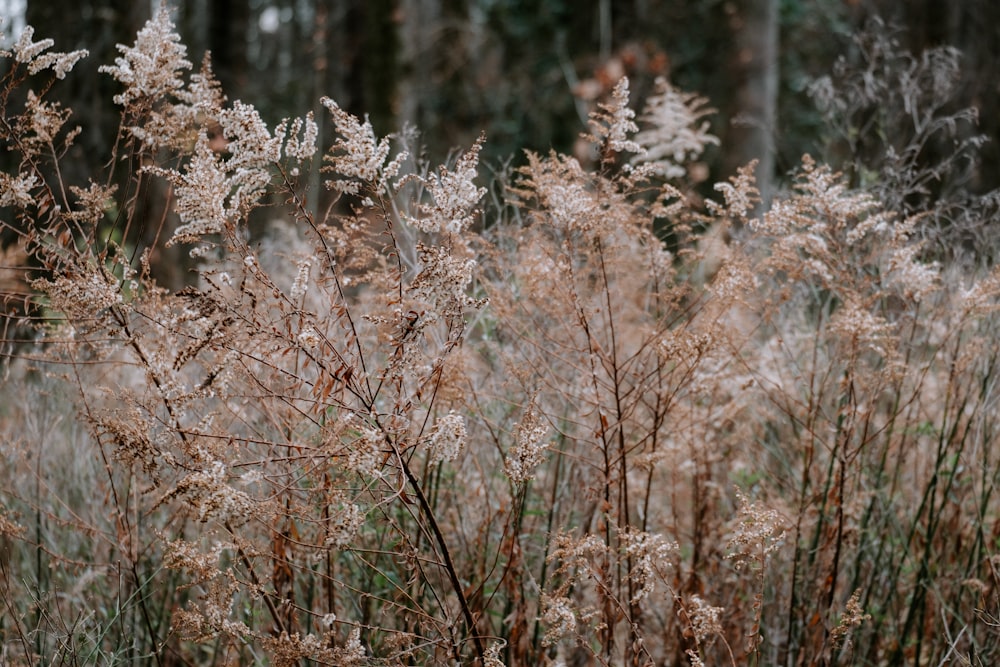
[(427, 419)]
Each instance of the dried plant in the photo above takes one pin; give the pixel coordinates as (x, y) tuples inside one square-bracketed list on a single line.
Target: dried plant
[(426, 420)]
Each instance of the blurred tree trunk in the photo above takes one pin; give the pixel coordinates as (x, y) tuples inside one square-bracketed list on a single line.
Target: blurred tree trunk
[(228, 34), (373, 51), (754, 28)]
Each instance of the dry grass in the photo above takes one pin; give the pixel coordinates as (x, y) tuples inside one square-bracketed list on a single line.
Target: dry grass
[(430, 422)]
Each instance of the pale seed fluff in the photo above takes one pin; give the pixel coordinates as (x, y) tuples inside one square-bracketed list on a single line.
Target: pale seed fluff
[(455, 196), (31, 53), (202, 192), (16, 191), (528, 450), (301, 283), (151, 67), (344, 523), (675, 130), (448, 438), (705, 619), (613, 123), (357, 154), (308, 338), (558, 618)]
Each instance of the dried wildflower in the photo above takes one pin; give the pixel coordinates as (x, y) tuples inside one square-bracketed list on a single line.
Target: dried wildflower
[(650, 556), (16, 190), (309, 338), (251, 145), (8, 527), (914, 278), (740, 193), (364, 454), (529, 447), (822, 206), (352, 653), (454, 195), (448, 438), (734, 280), (860, 328), (188, 557), (346, 519), (130, 436), (558, 618), (563, 191), (491, 658), (92, 202), (696, 660), (983, 296), (209, 492), (612, 124), (301, 283), (758, 533), (150, 68), (203, 94), (202, 192), (299, 148), (852, 618), (83, 296), (443, 281), (175, 125), (705, 619), (357, 154), (32, 54), (25, 50), (676, 132), (41, 121)]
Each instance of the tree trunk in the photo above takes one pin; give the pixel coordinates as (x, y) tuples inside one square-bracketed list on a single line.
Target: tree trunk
[(754, 26)]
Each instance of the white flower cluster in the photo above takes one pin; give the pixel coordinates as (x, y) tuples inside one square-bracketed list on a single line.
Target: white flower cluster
[(454, 194), (252, 151), (613, 123), (443, 281), (201, 192), (209, 492), (705, 619), (151, 67), (758, 533), (676, 130), (16, 191), (344, 523), (357, 154), (559, 184), (650, 556), (529, 448), (740, 193), (301, 283), (309, 338), (362, 456), (33, 55), (45, 120), (298, 147), (448, 438), (211, 190), (558, 618), (860, 328), (82, 297)]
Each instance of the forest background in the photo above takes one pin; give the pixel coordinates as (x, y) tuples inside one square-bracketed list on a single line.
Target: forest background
[(527, 72)]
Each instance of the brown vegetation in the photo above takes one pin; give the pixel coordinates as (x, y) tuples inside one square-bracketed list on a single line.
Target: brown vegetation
[(444, 423)]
